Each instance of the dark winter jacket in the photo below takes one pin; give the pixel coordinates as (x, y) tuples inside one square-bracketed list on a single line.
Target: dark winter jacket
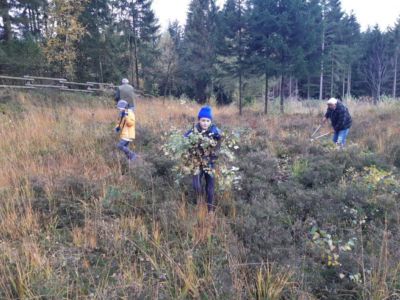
[(340, 117)]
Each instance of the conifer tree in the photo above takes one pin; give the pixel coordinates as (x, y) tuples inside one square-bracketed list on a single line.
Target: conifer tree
[(262, 29), (232, 46), (199, 49), (64, 32), (139, 26), (375, 61), (394, 35)]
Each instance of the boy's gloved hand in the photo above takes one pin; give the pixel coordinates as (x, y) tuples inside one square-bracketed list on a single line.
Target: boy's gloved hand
[(117, 129), (123, 114)]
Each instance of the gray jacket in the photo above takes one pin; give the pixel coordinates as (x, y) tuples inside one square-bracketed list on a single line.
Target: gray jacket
[(125, 92)]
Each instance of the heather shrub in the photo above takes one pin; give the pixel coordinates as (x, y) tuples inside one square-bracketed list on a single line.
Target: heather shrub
[(259, 172), (319, 171), (70, 198), (306, 222), (394, 153)]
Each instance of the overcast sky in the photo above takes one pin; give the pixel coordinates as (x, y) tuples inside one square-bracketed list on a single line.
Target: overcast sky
[(368, 12)]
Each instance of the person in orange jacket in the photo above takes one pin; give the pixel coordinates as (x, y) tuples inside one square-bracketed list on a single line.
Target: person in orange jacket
[(126, 128)]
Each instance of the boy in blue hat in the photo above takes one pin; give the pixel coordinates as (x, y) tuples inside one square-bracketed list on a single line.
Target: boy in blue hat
[(207, 149)]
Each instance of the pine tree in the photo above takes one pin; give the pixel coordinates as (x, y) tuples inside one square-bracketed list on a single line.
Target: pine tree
[(351, 39), (375, 60), (22, 25), (167, 64), (313, 55), (292, 45), (332, 49), (175, 31), (94, 53), (262, 26), (233, 44), (307, 56), (199, 49), (149, 37), (30, 17), (6, 32), (334, 43), (64, 32), (394, 35), (140, 27)]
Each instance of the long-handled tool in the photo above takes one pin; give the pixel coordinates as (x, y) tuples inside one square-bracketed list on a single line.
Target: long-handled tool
[(316, 130), (320, 136)]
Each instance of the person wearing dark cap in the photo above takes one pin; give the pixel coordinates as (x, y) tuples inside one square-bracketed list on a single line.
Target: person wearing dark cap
[(208, 154)]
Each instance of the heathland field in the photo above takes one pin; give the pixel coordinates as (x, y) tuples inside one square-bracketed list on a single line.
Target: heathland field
[(307, 221)]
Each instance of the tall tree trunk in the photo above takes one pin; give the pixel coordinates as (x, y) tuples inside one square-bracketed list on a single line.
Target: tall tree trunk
[(290, 87), (131, 58), (37, 25), (240, 57), (30, 21), (378, 94), (308, 87), (321, 82), (343, 84), (282, 109), (46, 24), (379, 91), (395, 73), (167, 81), (266, 94), (332, 81), (101, 70), (349, 83), (279, 87), (166, 86), (4, 8), (137, 66), (135, 53), (321, 79), (240, 92)]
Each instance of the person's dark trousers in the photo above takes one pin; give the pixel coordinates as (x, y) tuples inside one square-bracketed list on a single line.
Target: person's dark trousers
[(209, 188), (124, 147)]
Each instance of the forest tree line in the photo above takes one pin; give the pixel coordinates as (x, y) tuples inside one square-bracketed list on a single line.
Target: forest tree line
[(245, 50)]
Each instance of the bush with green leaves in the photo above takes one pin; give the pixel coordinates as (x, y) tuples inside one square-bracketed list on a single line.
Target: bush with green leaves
[(196, 152)]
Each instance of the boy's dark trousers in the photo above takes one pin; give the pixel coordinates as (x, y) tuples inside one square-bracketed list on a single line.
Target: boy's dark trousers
[(124, 147), (209, 188)]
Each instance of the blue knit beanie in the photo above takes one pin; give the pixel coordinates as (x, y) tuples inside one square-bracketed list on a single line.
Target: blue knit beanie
[(205, 112), (122, 104)]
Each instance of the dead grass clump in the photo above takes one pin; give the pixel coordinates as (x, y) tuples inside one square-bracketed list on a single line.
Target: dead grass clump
[(78, 221)]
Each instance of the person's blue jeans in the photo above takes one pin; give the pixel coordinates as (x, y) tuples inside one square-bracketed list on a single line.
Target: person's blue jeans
[(210, 182), (124, 147), (340, 137)]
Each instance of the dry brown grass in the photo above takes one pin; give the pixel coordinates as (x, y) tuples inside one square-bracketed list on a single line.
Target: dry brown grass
[(50, 142), (35, 141), (271, 283)]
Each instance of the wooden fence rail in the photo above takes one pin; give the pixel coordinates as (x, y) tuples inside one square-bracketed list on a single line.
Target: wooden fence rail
[(61, 84)]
